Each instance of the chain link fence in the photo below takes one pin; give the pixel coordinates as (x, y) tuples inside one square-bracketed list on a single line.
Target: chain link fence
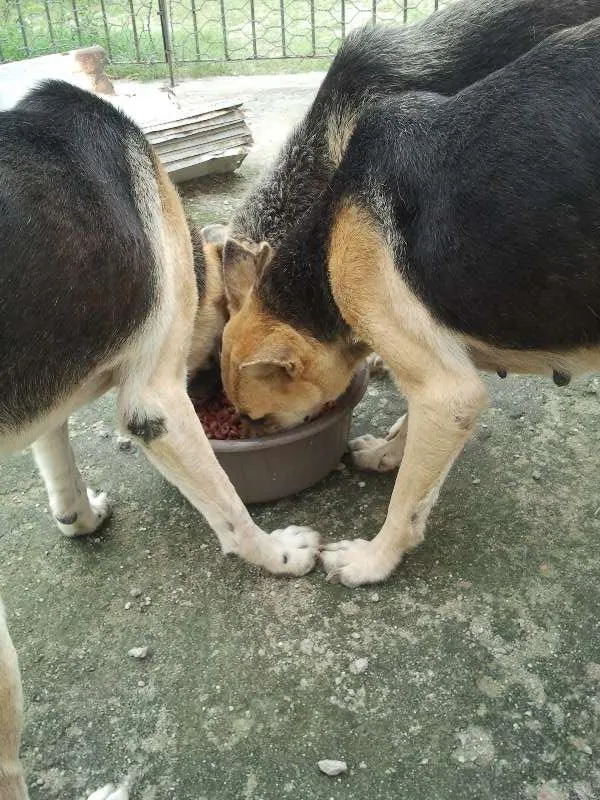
[(146, 32)]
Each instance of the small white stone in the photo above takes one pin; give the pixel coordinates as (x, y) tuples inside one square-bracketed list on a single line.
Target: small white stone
[(362, 484), (135, 592), (138, 652), (127, 606), (359, 666), (332, 767), (374, 597)]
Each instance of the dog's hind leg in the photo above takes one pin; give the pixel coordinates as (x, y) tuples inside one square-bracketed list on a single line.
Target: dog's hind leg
[(76, 509), (380, 455), (12, 782)]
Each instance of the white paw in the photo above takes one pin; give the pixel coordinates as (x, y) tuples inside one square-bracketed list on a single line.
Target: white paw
[(356, 562), (109, 792), (375, 455), (294, 550), (100, 507), (87, 518), (377, 366)]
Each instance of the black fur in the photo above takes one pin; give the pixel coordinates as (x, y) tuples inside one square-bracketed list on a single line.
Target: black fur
[(443, 54), (147, 428), (489, 200), (77, 275), (295, 286)]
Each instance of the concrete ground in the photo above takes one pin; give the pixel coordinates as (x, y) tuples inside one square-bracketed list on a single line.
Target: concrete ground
[(483, 676)]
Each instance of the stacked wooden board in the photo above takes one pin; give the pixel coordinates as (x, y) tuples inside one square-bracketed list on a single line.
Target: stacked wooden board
[(192, 139), (213, 140)]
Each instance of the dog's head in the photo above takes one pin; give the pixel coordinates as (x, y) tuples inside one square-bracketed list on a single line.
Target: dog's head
[(278, 376)]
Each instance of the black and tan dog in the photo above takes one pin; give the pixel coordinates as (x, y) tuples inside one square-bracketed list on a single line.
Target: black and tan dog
[(98, 290), (444, 53), (458, 233)]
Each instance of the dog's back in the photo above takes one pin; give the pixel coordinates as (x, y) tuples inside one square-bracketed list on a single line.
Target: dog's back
[(445, 53), (495, 196), (76, 263)]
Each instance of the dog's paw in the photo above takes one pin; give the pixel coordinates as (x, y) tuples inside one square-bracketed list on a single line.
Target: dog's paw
[(380, 455), (377, 366), (374, 455), (93, 512), (355, 562), (294, 550), (110, 792)]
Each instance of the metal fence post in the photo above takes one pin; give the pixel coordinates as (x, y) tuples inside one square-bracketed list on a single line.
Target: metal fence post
[(166, 37)]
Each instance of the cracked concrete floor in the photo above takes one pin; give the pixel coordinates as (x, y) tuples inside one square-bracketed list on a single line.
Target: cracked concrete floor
[(483, 676)]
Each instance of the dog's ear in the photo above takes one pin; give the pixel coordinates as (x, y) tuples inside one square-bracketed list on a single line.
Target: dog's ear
[(242, 266), (273, 357), (213, 239)]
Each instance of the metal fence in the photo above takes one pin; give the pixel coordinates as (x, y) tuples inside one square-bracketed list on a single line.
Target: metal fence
[(144, 31)]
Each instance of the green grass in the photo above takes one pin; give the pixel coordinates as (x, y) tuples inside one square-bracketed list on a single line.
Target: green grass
[(202, 41)]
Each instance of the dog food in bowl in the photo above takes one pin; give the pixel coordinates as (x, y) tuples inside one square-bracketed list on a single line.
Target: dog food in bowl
[(219, 418), (284, 463)]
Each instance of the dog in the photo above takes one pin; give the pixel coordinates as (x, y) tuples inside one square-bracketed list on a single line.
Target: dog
[(458, 234), (100, 288), (443, 54)]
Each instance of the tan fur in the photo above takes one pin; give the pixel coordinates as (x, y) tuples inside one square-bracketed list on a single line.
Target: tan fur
[(340, 127)]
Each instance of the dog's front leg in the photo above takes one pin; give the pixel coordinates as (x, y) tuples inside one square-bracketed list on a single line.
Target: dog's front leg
[(440, 420), (77, 510), (166, 424), (12, 783), (431, 366)]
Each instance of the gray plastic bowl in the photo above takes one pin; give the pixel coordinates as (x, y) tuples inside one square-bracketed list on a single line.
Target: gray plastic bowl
[(279, 464)]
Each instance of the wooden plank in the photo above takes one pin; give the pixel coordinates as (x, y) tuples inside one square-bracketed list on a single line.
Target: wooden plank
[(226, 162), (200, 151)]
